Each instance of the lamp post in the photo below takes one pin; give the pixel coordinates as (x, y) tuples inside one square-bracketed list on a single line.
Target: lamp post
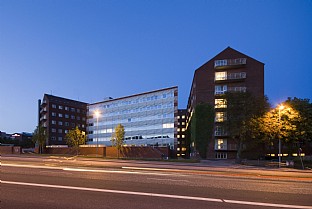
[(97, 114), (281, 107)]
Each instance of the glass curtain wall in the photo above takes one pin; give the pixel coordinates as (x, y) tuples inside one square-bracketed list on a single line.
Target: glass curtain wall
[(149, 119)]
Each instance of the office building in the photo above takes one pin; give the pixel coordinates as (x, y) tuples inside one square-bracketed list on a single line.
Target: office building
[(149, 119), (229, 71), (59, 115)]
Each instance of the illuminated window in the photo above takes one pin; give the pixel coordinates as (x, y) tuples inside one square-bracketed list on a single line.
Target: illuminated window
[(60, 115), (53, 122), (168, 125), (183, 116), (220, 116), (60, 123), (220, 103), (183, 149), (53, 113), (178, 136), (183, 129), (60, 107), (183, 136), (178, 129), (220, 144), (219, 76)]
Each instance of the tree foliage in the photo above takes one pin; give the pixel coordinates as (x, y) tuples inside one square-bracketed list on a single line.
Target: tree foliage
[(201, 128), (76, 137), (304, 125), (40, 137), (118, 137), (242, 109)]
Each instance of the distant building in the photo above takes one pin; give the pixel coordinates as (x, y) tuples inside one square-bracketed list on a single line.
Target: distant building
[(229, 71), (59, 115), (181, 134), (149, 119)]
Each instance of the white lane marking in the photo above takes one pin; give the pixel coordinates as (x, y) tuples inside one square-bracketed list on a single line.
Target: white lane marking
[(178, 180), (31, 166), (159, 195), (149, 169), (267, 204), (113, 191), (114, 171), (88, 170)]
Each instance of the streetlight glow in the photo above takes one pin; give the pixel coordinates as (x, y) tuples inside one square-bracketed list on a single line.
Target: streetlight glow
[(280, 107)]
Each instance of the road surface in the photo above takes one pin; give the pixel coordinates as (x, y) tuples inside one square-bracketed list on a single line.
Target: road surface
[(58, 182)]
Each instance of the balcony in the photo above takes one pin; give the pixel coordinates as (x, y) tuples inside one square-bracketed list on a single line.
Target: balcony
[(229, 147), (237, 89), (224, 77), (229, 63), (44, 103), (43, 110)]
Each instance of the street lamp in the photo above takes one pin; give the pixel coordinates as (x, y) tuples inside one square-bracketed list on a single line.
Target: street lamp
[(97, 115), (281, 107)]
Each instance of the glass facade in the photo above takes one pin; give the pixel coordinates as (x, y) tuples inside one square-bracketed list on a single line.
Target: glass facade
[(149, 119)]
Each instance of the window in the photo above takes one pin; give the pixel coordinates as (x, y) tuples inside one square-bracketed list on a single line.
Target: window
[(53, 122), (183, 149), (60, 115), (221, 155), (60, 131), (178, 130), (183, 136), (183, 129), (66, 108), (53, 106), (220, 89), (65, 131), (183, 116), (78, 117), (220, 116), (168, 125), (66, 124), (53, 130), (72, 117), (60, 123), (183, 123), (221, 144), (60, 107), (73, 124), (72, 109), (53, 138), (54, 114), (219, 76), (220, 103), (178, 136), (219, 131), (66, 116), (60, 138), (78, 110), (83, 118)]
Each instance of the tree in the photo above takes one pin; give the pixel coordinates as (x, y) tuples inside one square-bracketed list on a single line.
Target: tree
[(304, 126), (242, 108), (76, 137), (118, 138), (291, 124), (39, 137)]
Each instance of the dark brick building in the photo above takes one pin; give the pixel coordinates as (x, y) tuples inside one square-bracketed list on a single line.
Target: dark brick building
[(59, 115), (181, 134), (229, 71)]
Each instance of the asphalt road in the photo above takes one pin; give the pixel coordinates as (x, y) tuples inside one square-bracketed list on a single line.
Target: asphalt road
[(78, 183)]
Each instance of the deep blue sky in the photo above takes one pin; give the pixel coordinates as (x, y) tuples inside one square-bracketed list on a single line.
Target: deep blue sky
[(89, 50)]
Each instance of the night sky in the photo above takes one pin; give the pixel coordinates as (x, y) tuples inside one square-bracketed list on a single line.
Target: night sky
[(89, 50)]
